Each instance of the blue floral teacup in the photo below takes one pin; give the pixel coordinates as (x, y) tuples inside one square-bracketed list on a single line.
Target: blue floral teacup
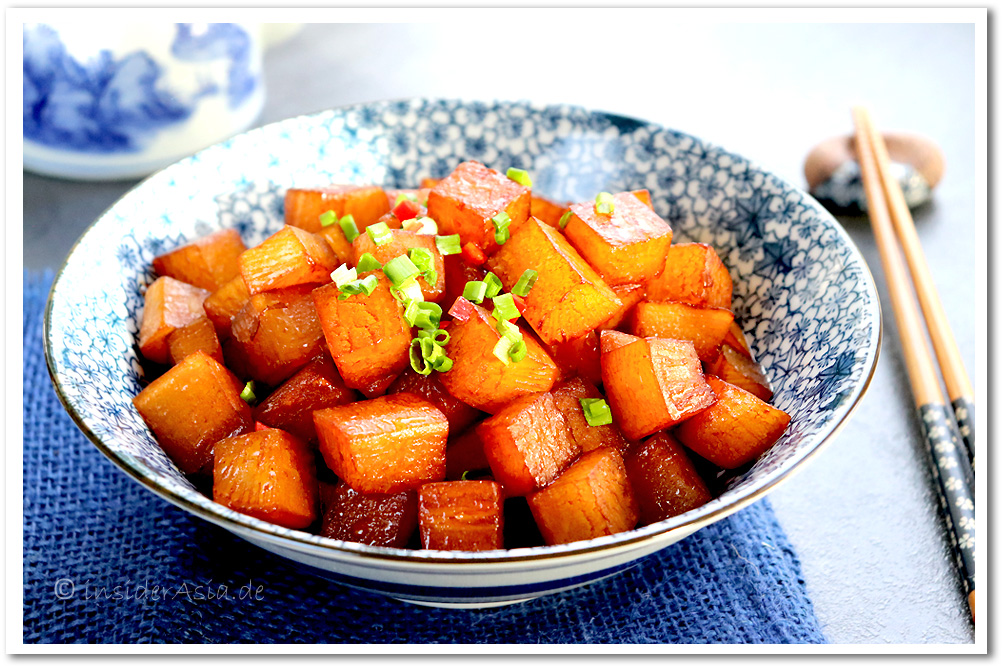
[(118, 101)]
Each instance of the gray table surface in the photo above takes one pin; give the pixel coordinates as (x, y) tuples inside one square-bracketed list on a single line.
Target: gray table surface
[(862, 517)]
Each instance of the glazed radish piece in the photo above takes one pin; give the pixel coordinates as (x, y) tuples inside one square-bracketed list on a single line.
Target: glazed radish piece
[(465, 366), (592, 498), (208, 263), (384, 445), (373, 519), (626, 244), (664, 479), (461, 516), (304, 206), (693, 274), (291, 406), (199, 335), (527, 444), (169, 304), (268, 474), (192, 406), (735, 430)]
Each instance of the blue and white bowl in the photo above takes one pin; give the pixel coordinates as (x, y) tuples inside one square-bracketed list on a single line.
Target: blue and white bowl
[(802, 293)]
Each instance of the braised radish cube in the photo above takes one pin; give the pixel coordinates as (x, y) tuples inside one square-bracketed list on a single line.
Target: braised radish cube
[(611, 340), (627, 245), (643, 195), (460, 516), (290, 257), (268, 474), (366, 334), (546, 211), (373, 519), (740, 370), (304, 206), (736, 338), (277, 332), (567, 396), (223, 305), (465, 202), (208, 263), (579, 357), (592, 498), (527, 444), (629, 294), (291, 406), (465, 454), (483, 380), (169, 304), (737, 429), (401, 242), (199, 335), (384, 445), (664, 479), (693, 273), (569, 298), (705, 327), (459, 415), (192, 406), (653, 384)]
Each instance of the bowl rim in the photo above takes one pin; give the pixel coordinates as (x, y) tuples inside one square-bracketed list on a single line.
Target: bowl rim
[(304, 542)]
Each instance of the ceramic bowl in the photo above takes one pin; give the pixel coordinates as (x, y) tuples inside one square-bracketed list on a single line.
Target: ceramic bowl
[(803, 295)]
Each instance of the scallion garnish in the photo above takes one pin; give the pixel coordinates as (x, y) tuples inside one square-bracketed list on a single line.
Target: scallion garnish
[(248, 393), (366, 285), (505, 308), (368, 263), (517, 351), (604, 203), (379, 233), (407, 293), (424, 225), (401, 197), (475, 291), (508, 330), (348, 226), (411, 312), (328, 218), (563, 221), (501, 350), (400, 270), (522, 177), (425, 263), (596, 411), (501, 222), (525, 283), (343, 274), (493, 283), (448, 245), (417, 359)]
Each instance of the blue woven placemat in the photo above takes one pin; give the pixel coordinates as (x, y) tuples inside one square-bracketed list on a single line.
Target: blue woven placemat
[(106, 561)]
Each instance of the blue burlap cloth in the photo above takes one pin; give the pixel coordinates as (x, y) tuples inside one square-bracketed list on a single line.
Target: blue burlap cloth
[(106, 561)]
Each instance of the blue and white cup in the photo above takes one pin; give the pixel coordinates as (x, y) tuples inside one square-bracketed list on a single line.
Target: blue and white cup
[(122, 100)]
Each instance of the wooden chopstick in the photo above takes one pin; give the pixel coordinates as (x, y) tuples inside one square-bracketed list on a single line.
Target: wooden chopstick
[(953, 371), (940, 430)]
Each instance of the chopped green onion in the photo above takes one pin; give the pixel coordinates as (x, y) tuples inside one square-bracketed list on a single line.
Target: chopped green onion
[(409, 292), (379, 233), (501, 222), (417, 359), (401, 197), (411, 312), (505, 308), (493, 283), (463, 477), (343, 274), (501, 350), (328, 218), (348, 225), (425, 263), (248, 393), (427, 226), (517, 351), (400, 270), (508, 330), (563, 221), (475, 291), (441, 337), (366, 285), (525, 283), (596, 411), (368, 263), (429, 315), (444, 365), (604, 203), (502, 235), (448, 245), (522, 177)]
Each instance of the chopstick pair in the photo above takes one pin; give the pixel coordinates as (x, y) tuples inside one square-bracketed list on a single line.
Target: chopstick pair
[(948, 429)]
